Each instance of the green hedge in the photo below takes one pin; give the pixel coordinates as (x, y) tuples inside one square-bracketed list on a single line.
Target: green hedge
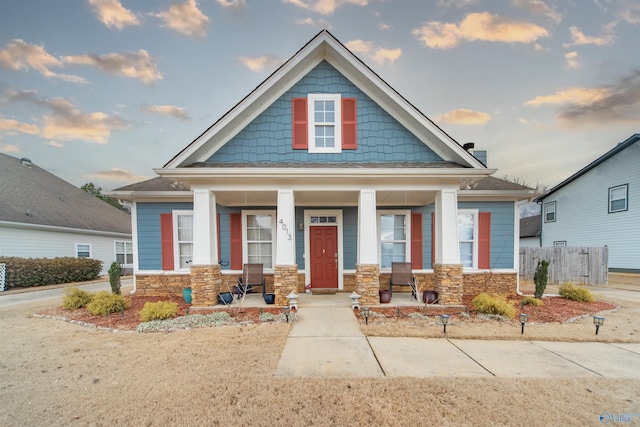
[(26, 272)]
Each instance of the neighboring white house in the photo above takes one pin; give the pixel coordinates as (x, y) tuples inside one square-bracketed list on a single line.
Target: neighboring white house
[(530, 231), (598, 206), (42, 216)]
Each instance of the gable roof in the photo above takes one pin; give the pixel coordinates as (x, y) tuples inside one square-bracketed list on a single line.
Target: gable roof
[(531, 226), (31, 195), (609, 154), (323, 47)]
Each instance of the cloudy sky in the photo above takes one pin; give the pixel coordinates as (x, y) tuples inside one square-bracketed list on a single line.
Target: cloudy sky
[(106, 90)]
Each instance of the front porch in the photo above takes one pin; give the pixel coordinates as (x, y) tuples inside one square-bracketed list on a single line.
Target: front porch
[(206, 285)]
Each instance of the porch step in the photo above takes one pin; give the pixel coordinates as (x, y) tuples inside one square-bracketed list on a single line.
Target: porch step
[(321, 291)]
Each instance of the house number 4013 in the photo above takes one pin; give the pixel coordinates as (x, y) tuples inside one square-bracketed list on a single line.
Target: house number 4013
[(285, 228)]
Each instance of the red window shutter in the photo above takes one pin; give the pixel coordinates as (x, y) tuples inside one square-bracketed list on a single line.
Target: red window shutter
[(484, 240), (433, 238), (235, 234), (166, 237), (349, 124), (416, 240), (300, 134)]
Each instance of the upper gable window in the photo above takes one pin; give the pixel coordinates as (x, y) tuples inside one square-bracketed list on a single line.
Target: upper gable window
[(618, 198), (550, 212), (324, 123), (324, 129)]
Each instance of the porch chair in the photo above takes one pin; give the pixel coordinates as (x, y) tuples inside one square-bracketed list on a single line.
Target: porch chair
[(401, 276), (252, 277)]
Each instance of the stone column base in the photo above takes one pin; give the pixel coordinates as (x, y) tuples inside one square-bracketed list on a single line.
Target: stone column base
[(285, 280), (368, 283), (448, 281), (205, 284)]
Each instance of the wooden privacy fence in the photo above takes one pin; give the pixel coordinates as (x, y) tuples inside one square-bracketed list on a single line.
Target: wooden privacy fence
[(578, 265)]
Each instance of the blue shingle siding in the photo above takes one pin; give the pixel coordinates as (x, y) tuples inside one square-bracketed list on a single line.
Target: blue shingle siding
[(381, 139), (502, 228), (350, 238), (148, 223)]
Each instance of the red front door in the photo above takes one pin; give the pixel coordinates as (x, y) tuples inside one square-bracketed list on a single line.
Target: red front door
[(324, 256)]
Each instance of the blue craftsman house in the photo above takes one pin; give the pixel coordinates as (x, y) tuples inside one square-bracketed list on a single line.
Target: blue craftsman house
[(325, 175)]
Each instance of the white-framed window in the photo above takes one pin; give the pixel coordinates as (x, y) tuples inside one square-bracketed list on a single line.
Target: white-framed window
[(468, 237), (83, 250), (182, 239), (259, 237), (618, 198), (324, 115), (395, 240), (550, 212), (124, 252)]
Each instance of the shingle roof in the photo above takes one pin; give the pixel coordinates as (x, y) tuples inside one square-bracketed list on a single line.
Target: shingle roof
[(31, 195), (163, 184), (531, 226)]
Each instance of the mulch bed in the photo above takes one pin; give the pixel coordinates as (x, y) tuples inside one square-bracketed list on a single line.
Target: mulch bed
[(555, 309), (130, 319)]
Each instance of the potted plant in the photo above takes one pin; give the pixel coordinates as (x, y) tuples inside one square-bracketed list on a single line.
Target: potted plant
[(186, 295), (385, 296), (225, 298)]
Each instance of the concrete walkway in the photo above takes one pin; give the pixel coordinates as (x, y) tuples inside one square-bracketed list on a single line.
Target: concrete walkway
[(326, 341)]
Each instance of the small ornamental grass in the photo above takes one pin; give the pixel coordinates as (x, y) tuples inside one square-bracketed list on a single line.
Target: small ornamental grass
[(75, 298), (576, 293), (105, 302), (494, 304), (158, 311), (532, 301)]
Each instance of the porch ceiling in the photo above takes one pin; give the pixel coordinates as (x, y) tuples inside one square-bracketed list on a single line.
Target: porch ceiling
[(325, 198)]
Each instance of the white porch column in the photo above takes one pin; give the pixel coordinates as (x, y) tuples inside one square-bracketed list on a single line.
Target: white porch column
[(286, 229), (367, 228), (205, 231), (447, 246)]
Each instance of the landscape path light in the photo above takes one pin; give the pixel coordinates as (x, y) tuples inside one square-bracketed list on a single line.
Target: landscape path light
[(523, 320), (286, 310), (598, 321), (365, 313), (444, 318)]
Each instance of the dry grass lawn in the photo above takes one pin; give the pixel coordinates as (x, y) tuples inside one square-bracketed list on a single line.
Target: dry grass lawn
[(59, 374)]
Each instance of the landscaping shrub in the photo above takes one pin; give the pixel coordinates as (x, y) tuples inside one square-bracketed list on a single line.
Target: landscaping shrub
[(105, 302), (532, 301), (115, 271), (158, 311), (540, 277), (494, 304), (26, 272), (576, 293), (75, 298)]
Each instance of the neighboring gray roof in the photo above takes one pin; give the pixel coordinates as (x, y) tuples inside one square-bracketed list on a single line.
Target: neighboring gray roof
[(618, 148), (31, 195), (531, 226)]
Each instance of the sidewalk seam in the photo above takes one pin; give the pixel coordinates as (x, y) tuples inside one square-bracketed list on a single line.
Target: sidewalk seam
[(469, 356), (567, 359), (375, 356)]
